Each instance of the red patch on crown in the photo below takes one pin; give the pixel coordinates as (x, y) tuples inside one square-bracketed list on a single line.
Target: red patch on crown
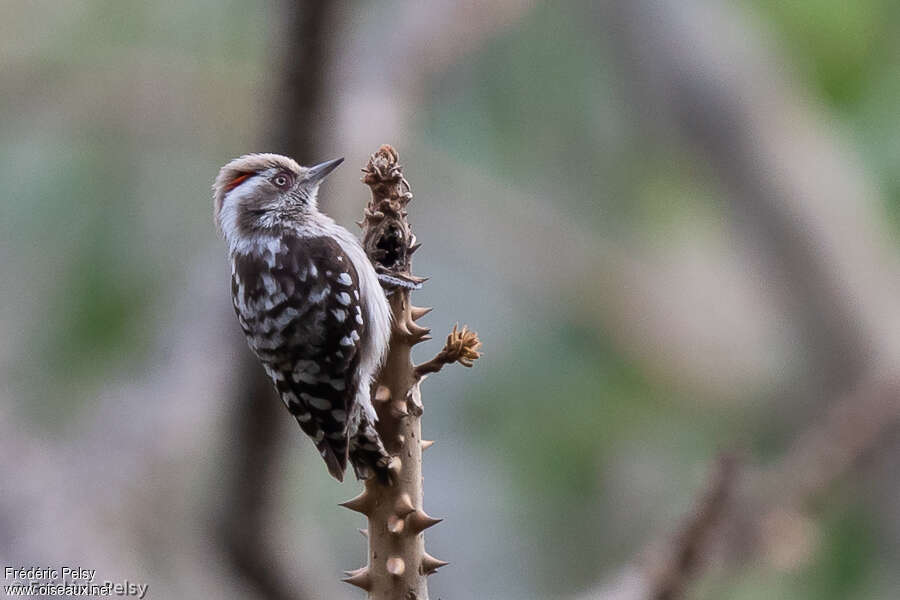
[(237, 181)]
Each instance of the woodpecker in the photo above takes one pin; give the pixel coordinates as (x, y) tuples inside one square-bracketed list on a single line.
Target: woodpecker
[(309, 302)]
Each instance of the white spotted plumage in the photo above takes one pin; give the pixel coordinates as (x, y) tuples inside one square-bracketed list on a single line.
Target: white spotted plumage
[(309, 302)]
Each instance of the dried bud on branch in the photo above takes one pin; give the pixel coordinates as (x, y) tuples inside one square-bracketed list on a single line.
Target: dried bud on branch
[(462, 346)]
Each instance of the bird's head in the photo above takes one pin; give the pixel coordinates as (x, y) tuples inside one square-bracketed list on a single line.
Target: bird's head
[(257, 192)]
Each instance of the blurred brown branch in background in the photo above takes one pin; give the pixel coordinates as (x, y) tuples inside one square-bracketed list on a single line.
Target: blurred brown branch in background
[(676, 564), (697, 72), (253, 469), (712, 89), (256, 463), (744, 514)]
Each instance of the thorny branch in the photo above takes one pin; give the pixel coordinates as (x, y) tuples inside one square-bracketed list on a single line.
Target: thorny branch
[(398, 563)]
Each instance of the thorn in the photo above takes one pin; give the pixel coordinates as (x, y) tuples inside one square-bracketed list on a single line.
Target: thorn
[(414, 401), (414, 247), (382, 393), (420, 521), (404, 505), (417, 334), (415, 409), (364, 533), (426, 444), (360, 579), (401, 327), (360, 504), (417, 312), (431, 564), (396, 524), (353, 572), (394, 466), (396, 566), (361, 224), (417, 331), (398, 409), (401, 439)]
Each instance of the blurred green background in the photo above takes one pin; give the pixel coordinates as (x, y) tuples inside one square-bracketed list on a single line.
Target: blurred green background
[(635, 314)]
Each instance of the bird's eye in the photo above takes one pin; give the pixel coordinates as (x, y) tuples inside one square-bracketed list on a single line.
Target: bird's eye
[(283, 180)]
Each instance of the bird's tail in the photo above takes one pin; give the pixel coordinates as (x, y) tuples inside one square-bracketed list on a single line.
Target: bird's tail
[(334, 455), (367, 453), (332, 448)]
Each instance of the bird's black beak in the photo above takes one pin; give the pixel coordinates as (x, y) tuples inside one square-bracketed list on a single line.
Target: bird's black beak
[(318, 172)]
